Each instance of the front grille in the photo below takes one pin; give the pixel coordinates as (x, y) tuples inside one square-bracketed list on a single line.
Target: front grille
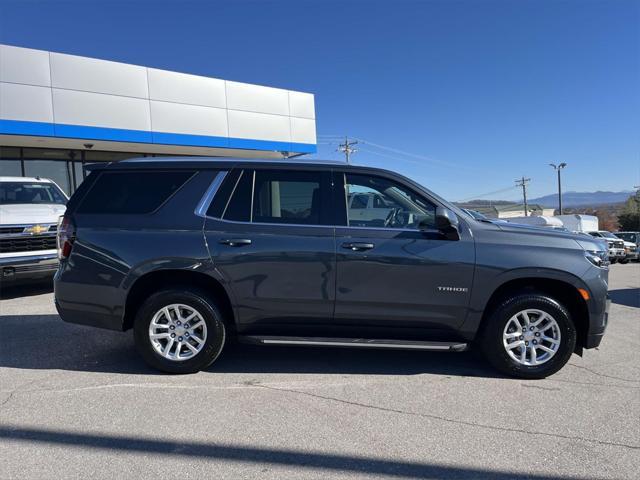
[(21, 229), (618, 244), (45, 267), (9, 230), (27, 244)]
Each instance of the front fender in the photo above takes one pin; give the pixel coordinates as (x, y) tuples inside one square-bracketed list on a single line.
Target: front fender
[(489, 284)]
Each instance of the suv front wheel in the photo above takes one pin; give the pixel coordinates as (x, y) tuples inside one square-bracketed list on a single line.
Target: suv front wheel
[(529, 336), (179, 331)]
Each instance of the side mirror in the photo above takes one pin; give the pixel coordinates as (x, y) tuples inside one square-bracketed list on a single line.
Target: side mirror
[(447, 223)]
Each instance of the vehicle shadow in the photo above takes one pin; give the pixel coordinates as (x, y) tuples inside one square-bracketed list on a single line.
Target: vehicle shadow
[(629, 297), (304, 462), (9, 291), (45, 342)]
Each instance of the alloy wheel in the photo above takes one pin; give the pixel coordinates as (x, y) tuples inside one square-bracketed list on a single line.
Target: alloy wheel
[(177, 332), (531, 337)]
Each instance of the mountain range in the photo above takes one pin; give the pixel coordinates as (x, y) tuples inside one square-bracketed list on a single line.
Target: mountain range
[(582, 199)]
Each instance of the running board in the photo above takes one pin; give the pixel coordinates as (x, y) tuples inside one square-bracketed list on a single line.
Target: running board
[(355, 342)]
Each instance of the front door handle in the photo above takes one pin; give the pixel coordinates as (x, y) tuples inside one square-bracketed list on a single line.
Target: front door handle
[(235, 242), (358, 246)]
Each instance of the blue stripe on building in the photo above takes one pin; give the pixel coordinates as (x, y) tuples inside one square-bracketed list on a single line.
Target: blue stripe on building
[(43, 129)]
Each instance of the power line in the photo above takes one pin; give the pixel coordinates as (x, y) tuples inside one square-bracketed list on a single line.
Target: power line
[(384, 155), (487, 194), (523, 182), (407, 154)]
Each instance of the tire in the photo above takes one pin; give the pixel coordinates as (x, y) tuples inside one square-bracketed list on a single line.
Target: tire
[(624, 261), (206, 337), (613, 260), (501, 324)]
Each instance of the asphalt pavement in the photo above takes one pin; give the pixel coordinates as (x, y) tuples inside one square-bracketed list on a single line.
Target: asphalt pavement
[(77, 402)]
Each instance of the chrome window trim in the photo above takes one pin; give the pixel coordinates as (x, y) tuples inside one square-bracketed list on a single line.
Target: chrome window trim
[(315, 225), (253, 193), (203, 207), (207, 198)]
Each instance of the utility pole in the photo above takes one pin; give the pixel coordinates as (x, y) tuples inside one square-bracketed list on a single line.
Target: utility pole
[(346, 148), (558, 169), (523, 182)]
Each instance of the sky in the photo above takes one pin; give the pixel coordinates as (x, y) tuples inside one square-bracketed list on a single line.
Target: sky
[(462, 96)]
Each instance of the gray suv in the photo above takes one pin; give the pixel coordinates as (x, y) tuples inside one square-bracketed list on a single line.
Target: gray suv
[(190, 253)]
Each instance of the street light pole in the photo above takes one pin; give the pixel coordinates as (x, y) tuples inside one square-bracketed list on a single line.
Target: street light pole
[(558, 168)]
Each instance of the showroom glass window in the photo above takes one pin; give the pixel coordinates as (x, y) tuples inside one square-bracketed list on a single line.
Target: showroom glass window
[(10, 163)]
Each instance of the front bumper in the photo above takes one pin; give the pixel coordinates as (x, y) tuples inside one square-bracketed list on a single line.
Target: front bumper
[(28, 267), (617, 253), (600, 322)]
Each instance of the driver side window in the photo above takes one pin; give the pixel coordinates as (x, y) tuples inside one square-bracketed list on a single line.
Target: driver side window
[(388, 205)]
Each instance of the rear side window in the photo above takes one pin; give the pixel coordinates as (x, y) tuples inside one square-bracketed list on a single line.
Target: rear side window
[(287, 197), (132, 192), (278, 196)]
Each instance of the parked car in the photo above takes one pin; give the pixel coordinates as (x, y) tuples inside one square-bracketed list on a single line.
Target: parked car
[(616, 245), (189, 252), (369, 209), (29, 212), (631, 243)]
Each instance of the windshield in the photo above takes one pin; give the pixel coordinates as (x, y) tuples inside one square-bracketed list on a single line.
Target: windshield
[(475, 214), (609, 235), (13, 193), (628, 237)]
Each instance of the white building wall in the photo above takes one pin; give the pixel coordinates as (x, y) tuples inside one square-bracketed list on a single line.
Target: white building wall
[(67, 91)]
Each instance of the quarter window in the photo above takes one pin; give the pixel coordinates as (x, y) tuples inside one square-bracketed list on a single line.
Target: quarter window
[(132, 192), (391, 206), (239, 206)]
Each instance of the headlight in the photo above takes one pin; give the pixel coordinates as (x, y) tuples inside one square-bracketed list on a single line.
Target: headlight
[(599, 258)]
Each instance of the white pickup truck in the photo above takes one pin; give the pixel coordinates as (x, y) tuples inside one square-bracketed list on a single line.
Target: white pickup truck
[(29, 212)]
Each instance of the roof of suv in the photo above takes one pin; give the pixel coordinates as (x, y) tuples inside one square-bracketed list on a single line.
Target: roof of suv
[(199, 162)]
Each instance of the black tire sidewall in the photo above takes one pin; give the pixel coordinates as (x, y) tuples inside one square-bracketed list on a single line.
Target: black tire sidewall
[(493, 347), (216, 332)]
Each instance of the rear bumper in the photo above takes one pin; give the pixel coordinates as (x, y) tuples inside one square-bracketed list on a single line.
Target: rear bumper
[(76, 302), (27, 267), (88, 317)]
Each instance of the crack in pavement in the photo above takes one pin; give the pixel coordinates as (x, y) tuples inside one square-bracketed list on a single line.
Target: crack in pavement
[(449, 420), (613, 377), (591, 384), (18, 389)]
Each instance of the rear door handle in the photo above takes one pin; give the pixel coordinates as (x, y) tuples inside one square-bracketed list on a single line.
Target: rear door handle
[(358, 246), (235, 242)]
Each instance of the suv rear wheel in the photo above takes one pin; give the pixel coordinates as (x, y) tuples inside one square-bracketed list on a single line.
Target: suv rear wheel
[(529, 336), (179, 331)]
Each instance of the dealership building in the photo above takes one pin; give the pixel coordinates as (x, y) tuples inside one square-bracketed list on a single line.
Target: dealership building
[(59, 112)]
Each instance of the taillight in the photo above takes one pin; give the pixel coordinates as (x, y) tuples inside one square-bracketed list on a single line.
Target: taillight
[(66, 236)]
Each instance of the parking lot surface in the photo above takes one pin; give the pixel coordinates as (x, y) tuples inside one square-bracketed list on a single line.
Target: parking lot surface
[(77, 402)]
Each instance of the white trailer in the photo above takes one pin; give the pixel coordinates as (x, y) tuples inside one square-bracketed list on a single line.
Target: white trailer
[(537, 221), (579, 223)]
